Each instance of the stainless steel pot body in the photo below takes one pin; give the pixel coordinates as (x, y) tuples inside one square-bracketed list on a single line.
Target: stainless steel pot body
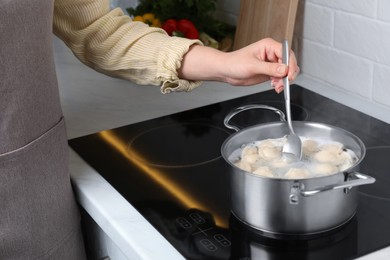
[(302, 206)]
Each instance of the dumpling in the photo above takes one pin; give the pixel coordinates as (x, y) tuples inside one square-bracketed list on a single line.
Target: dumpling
[(243, 166), (297, 173), (270, 149), (325, 156), (309, 147), (332, 147), (269, 153), (249, 154), (266, 158), (335, 154), (346, 160), (264, 171), (250, 158), (279, 163), (249, 149)]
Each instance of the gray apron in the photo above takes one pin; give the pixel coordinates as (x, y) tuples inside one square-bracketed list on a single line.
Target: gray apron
[(39, 217)]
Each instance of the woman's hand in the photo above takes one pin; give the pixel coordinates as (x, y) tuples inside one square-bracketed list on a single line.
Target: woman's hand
[(253, 64), (259, 62)]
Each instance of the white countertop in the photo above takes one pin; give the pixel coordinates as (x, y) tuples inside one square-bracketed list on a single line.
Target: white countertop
[(93, 102)]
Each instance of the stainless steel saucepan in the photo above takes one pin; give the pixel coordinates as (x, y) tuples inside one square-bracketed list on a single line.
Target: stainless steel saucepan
[(288, 206)]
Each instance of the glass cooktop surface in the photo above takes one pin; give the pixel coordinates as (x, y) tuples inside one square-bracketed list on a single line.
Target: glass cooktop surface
[(171, 170)]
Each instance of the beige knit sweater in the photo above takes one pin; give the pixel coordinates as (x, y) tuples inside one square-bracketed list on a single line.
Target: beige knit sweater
[(109, 42)]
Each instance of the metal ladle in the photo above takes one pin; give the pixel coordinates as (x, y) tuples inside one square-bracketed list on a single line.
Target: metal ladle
[(293, 143)]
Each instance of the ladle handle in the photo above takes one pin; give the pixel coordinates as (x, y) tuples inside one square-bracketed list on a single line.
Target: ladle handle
[(237, 110), (286, 83)]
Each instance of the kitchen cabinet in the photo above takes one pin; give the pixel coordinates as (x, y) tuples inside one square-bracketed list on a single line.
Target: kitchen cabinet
[(98, 244)]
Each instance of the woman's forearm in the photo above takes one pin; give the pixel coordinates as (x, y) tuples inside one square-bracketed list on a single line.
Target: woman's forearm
[(255, 63), (202, 63)]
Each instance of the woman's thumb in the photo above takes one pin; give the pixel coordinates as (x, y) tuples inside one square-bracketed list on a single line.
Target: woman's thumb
[(280, 69), (273, 69)]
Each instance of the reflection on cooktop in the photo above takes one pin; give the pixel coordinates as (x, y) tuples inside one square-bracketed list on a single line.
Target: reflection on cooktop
[(178, 145), (248, 244), (171, 171)]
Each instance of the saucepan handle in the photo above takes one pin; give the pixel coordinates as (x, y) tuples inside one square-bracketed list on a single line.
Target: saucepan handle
[(355, 179), (237, 110)]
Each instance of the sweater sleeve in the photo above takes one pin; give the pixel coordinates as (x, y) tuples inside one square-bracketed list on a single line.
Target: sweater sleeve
[(111, 43)]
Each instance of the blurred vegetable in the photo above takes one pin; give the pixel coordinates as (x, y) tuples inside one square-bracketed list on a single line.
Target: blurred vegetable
[(182, 28), (148, 18), (200, 12)]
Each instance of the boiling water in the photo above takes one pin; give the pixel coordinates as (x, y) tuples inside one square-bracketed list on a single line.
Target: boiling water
[(320, 158)]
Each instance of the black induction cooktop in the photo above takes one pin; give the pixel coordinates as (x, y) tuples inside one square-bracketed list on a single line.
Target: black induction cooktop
[(171, 170)]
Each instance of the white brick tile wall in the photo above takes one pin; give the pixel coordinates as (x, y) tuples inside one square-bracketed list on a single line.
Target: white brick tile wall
[(384, 10), (367, 38), (364, 7), (318, 24), (335, 67), (381, 83), (356, 57)]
